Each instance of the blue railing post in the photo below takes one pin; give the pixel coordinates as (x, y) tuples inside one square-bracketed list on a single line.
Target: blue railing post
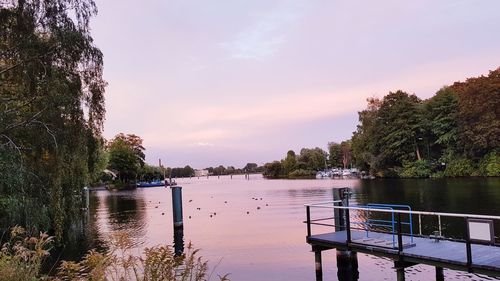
[(393, 230), (411, 226), (410, 222)]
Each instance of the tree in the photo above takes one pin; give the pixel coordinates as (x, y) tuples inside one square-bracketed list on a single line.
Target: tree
[(126, 156), (188, 171), (290, 162), (220, 170), (273, 169), (150, 173), (52, 96), (398, 127), (346, 150), (334, 154), (312, 159), (479, 108), (250, 167), (441, 124), (135, 143), (389, 132), (363, 140)]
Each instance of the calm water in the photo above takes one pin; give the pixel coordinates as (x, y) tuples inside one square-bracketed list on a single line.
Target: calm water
[(269, 243)]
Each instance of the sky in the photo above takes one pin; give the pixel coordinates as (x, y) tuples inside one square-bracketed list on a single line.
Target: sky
[(227, 82)]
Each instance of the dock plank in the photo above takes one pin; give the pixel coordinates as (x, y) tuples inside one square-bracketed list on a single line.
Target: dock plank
[(425, 250)]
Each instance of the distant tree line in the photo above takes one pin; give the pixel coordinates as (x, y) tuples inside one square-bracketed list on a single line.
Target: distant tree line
[(250, 168), (126, 158), (124, 155), (304, 165), (454, 133)]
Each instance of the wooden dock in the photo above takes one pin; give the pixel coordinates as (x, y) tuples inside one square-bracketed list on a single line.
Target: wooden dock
[(477, 252), (445, 254)]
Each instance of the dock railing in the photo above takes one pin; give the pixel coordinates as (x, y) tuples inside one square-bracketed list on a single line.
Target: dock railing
[(478, 236)]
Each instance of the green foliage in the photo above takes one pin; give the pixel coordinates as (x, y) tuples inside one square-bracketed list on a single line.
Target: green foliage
[(301, 173), (459, 167), (346, 149), (150, 173), (250, 168), (490, 165), (304, 165), (312, 159), (363, 140), (290, 162), (415, 169), (99, 162), (441, 121), (479, 105), (397, 129), (273, 170), (187, 171), (457, 126), (220, 170), (388, 133), (52, 96), (126, 156), (335, 155)]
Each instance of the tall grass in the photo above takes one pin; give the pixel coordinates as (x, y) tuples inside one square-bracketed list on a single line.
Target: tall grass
[(22, 255)]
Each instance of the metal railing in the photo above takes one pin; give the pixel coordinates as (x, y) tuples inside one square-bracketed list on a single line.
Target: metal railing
[(396, 222)]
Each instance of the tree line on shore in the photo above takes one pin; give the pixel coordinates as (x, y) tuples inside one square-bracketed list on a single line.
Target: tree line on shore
[(122, 162), (52, 113), (455, 133)]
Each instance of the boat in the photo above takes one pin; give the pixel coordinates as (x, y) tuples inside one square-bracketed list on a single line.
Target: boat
[(150, 183), (322, 175), (346, 173), (170, 183)]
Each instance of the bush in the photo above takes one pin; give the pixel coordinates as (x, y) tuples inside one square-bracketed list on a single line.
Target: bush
[(416, 169), (490, 165), (301, 173), (460, 167)]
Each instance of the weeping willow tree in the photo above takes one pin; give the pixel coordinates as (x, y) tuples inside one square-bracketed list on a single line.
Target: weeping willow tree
[(51, 110)]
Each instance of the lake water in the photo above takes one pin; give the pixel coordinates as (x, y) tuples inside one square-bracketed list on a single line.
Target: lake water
[(268, 242)]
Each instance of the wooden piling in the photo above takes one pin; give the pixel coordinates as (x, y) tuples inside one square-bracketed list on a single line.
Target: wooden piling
[(318, 265), (177, 205), (400, 273), (439, 273)]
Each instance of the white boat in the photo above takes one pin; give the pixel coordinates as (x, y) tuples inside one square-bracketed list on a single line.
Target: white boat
[(321, 175)]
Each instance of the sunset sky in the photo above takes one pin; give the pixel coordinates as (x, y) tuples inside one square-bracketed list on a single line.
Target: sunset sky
[(229, 82)]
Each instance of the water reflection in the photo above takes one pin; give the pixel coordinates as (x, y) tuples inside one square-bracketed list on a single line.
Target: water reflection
[(178, 240), (263, 239), (476, 196), (347, 266)]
